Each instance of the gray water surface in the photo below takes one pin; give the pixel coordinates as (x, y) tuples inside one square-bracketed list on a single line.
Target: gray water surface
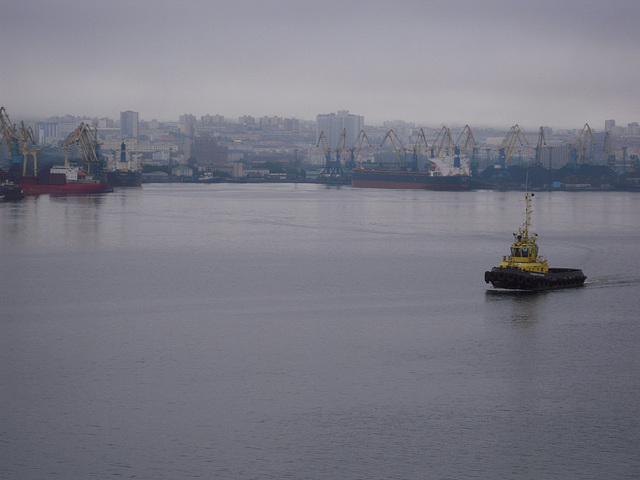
[(298, 331)]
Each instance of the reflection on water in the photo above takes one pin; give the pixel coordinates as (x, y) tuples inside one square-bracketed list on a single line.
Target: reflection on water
[(521, 306)]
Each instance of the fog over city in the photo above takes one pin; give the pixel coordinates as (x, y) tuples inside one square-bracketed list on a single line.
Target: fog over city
[(485, 63)]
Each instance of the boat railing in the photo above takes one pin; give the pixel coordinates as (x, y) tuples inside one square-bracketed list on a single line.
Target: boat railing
[(511, 258)]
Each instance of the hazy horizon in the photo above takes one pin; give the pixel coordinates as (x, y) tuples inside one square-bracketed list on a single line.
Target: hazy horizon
[(487, 64)]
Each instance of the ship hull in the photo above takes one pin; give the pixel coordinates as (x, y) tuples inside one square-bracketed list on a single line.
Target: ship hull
[(124, 179), (515, 279), (361, 178), (30, 186)]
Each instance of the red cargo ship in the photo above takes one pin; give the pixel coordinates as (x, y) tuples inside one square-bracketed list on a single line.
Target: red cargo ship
[(62, 181)]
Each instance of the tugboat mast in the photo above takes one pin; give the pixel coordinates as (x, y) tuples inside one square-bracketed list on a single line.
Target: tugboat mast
[(527, 214)]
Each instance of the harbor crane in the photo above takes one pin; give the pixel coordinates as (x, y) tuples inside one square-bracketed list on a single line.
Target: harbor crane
[(397, 147), (470, 142), (21, 143), (422, 140), (444, 135), (578, 149), (541, 142), (333, 168), (10, 136), (608, 150), (354, 151), (508, 144), (28, 148), (85, 139)]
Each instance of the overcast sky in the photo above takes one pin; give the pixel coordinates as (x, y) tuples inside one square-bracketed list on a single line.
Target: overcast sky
[(561, 63)]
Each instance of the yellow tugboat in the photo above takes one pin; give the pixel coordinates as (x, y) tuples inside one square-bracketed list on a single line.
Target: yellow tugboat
[(524, 269)]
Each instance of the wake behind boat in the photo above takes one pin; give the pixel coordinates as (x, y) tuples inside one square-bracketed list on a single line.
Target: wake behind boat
[(524, 269)]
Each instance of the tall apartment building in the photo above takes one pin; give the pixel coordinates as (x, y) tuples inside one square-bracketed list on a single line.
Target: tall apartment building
[(46, 132), (129, 124), (188, 125), (333, 124), (609, 124)]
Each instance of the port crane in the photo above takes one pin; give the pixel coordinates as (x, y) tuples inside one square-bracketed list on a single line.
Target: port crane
[(470, 142), (10, 136), (28, 148), (333, 168), (542, 141), (608, 150), (398, 147), (21, 143), (578, 149), (422, 140), (354, 151), (508, 144), (444, 135), (85, 139)]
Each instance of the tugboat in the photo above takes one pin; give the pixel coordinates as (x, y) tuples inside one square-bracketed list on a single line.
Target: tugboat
[(10, 192), (524, 269)]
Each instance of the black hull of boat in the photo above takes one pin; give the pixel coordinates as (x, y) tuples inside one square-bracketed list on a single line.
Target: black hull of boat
[(516, 279)]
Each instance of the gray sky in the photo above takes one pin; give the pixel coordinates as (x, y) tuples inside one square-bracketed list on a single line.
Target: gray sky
[(561, 63)]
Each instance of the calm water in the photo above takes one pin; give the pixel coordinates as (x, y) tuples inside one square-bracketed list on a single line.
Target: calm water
[(305, 332)]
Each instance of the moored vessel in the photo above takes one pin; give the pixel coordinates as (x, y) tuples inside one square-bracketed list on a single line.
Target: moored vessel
[(524, 269), (57, 180), (10, 192), (61, 180), (127, 172), (364, 178)]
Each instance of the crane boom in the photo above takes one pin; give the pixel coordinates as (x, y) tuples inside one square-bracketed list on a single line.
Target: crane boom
[(541, 142), (391, 135), (357, 146), (444, 135), (508, 144), (86, 141), (10, 136), (469, 141), (577, 151)]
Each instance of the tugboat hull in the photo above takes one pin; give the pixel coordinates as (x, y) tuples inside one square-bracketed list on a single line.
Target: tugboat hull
[(515, 279)]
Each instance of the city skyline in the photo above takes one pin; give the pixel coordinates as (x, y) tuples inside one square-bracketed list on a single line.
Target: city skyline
[(488, 64)]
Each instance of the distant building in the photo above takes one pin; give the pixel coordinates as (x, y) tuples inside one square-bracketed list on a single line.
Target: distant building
[(291, 125), (212, 119), (188, 125), (182, 171), (609, 124), (334, 124), (46, 132), (246, 120), (129, 124)]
